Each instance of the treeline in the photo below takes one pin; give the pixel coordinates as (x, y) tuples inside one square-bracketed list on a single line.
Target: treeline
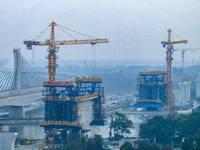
[(95, 143), (168, 131)]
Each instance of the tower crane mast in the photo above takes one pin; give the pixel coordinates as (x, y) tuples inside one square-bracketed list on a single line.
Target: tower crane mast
[(169, 59), (53, 46), (183, 52)]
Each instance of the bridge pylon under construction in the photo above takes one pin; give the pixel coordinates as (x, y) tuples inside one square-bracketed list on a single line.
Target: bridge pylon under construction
[(151, 90), (64, 108), (64, 100)]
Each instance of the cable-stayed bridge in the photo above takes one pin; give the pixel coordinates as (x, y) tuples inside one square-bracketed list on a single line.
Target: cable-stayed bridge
[(17, 74), (19, 84)]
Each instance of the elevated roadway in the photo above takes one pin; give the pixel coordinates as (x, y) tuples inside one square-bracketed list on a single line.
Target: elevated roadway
[(17, 99), (25, 96), (132, 111), (21, 97), (148, 113)]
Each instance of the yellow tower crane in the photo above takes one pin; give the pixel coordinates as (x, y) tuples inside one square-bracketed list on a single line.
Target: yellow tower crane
[(52, 43), (169, 59)]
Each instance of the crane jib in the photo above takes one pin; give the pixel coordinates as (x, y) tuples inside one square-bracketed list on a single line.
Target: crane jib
[(53, 45), (67, 42)]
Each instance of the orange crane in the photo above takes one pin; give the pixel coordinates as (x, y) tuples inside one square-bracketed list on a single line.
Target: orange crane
[(169, 59), (53, 45)]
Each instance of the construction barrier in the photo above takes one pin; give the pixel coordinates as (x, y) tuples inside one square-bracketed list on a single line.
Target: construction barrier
[(149, 100), (58, 83), (51, 98), (88, 80), (80, 98), (153, 73), (46, 123)]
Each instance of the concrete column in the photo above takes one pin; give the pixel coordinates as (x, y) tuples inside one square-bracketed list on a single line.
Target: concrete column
[(17, 68), (16, 112), (86, 112), (7, 140)]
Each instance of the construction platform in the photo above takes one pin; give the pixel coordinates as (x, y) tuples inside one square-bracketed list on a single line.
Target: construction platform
[(73, 105), (151, 89)]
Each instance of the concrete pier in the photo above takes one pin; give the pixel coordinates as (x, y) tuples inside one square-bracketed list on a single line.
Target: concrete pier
[(7, 140), (16, 112), (86, 113)]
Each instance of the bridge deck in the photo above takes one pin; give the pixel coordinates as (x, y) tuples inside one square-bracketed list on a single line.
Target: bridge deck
[(150, 113)]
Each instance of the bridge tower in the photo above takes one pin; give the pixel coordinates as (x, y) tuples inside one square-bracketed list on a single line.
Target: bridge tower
[(70, 106), (17, 69), (17, 75), (152, 90)]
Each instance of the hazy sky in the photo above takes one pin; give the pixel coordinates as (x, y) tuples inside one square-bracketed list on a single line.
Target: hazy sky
[(135, 28)]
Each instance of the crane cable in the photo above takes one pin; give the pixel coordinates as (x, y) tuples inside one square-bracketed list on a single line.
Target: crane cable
[(67, 33), (177, 35), (59, 26), (172, 37), (39, 35), (76, 31)]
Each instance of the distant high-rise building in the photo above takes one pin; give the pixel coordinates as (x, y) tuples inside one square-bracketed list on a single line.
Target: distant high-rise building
[(183, 95), (177, 97), (198, 85)]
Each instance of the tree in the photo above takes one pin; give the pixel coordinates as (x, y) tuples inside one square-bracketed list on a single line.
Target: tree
[(198, 99), (167, 148), (197, 141), (164, 130), (120, 125), (85, 143), (98, 142), (189, 124), (158, 127), (146, 146), (127, 146), (188, 144), (197, 109)]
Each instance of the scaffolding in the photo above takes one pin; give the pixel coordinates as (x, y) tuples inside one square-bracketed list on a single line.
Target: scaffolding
[(62, 102), (61, 109), (151, 89)]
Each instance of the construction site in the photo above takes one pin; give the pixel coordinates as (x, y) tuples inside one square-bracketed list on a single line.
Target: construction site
[(72, 107), (154, 88), (99, 74), (69, 105)]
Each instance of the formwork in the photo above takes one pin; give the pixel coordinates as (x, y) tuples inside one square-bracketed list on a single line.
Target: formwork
[(151, 89), (62, 103)]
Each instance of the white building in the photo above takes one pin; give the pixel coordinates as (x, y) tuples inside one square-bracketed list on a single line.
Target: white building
[(183, 95), (177, 97), (198, 85)]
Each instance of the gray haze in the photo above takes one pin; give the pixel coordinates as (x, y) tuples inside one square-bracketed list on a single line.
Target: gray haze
[(135, 28)]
